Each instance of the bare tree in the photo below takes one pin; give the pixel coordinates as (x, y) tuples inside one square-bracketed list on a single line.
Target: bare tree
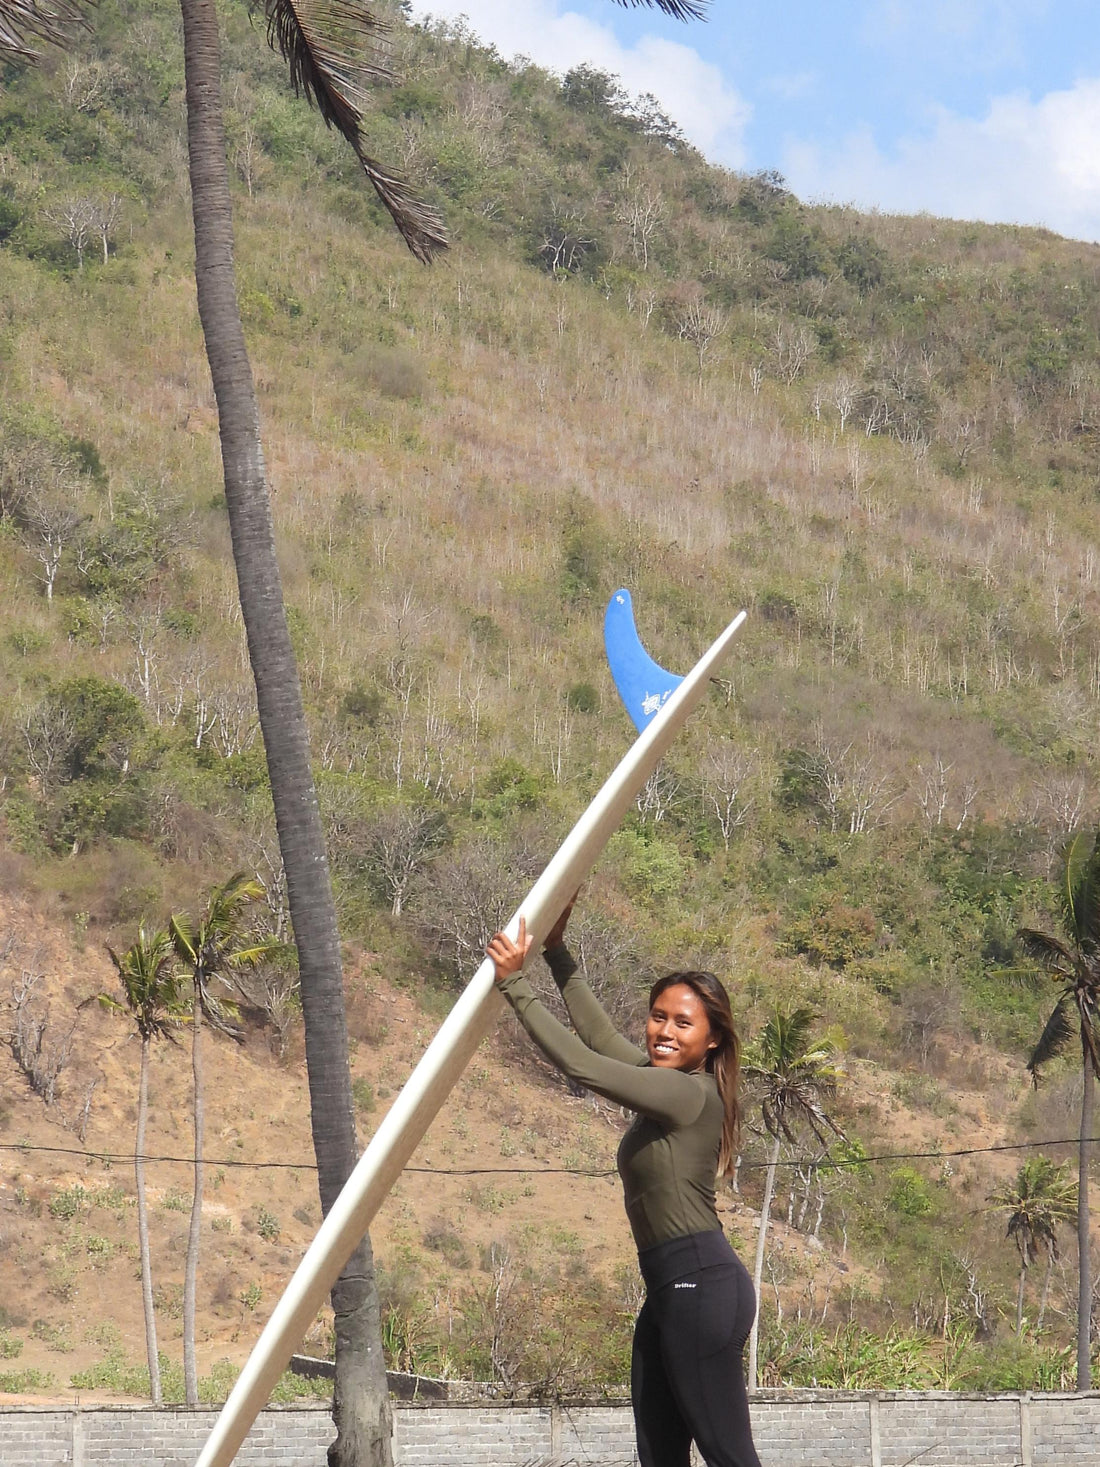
[(105, 215), (870, 790), (401, 842), (642, 210), (660, 794), (49, 524), (76, 219), (47, 732), (702, 325), (41, 1057), (467, 896), (844, 398), (727, 781), (566, 240), (792, 347)]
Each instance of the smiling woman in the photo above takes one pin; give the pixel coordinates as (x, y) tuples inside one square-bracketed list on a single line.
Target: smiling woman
[(687, 1381)]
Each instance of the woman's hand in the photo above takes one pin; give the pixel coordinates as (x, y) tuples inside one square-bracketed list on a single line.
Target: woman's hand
[(508, 956), (556, 936)]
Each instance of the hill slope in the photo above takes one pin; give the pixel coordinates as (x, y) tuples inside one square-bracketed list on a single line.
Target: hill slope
[(878, 434)]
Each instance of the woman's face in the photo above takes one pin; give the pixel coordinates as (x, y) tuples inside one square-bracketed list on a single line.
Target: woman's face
[(677, 1033)]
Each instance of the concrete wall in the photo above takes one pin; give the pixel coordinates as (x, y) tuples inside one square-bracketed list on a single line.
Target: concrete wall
[(792, 1429)]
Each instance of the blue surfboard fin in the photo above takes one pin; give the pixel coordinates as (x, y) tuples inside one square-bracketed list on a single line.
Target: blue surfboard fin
[(644, 686)]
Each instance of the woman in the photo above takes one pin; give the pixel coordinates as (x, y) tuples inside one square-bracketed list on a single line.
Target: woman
[(686, 1378)]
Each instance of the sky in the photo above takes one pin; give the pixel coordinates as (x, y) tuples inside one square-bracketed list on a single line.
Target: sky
[(973, 109)]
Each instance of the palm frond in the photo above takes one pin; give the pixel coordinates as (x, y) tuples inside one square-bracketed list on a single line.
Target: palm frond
[(1079, 895), (332, 49), (1087, 1014), (678, 9), (1054, 1038), (25, 25), (1075, 863), (1041, 947), (185, 939)]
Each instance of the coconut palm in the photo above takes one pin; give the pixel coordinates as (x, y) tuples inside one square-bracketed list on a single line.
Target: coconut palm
[(211, 948), (1039, 1198), (1073, 960), (792, 1074), (152, 999), (332, 49)]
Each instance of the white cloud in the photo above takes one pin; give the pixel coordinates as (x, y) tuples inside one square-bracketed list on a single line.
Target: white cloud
[(690, 89), (1025, 162)]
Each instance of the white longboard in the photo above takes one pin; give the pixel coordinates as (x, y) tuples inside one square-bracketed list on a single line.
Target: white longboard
[(440, 1068)]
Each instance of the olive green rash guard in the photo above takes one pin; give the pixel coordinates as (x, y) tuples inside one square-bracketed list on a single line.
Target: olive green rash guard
[(668, 1158)]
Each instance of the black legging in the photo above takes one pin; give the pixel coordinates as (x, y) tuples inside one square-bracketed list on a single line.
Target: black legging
[(686, 1376)]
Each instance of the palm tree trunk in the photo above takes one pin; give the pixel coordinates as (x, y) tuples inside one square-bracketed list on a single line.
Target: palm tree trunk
[(758, 1266), (361, 1409), (143, 1228), (1084, 1269), (1045, 1294), (191, 1270), (1020, 1301)]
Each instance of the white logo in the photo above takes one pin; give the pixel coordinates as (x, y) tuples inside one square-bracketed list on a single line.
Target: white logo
[(683, 1286), (652, 701)]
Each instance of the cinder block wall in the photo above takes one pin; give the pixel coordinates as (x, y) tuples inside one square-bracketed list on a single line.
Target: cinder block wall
[(792, 1429)]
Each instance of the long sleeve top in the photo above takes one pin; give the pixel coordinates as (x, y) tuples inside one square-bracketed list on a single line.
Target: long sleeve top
[(668, 1159)]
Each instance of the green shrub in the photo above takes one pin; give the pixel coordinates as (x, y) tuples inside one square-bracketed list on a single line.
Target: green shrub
[(583, 698), (834, 934), (909, 1193), (251, 1296), (67, 1203), (511, 786), (267, 1225), (652, 869), (362, 1092), (26, 1382)]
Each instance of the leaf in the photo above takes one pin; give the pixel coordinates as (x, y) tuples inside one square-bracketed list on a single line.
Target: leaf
[(23, 22), (184, 938), (1054, 1038), (678, 9), (1050, 951), (331, 47), (1080, 895)]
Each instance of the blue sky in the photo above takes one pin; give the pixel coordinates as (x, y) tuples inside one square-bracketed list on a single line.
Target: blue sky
[(977, 109)]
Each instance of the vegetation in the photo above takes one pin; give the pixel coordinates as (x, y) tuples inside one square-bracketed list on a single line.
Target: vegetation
[(1074, 962), (879, 434), (152, 1000), (793, 1075), (212, 947), (1040, 1198)]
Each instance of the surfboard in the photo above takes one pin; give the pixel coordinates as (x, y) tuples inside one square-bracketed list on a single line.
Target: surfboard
[(442, 1063)]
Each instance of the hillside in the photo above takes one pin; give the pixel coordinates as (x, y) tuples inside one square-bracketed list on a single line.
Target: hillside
[(877, 434)]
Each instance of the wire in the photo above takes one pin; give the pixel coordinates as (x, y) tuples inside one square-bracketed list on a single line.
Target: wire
[(821, 1162)]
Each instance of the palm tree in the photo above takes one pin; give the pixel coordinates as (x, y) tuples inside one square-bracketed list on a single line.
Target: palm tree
[(792, 1074), (152, 999), (1040, 1197), (332, 52), (211, 949), (1074, 962)]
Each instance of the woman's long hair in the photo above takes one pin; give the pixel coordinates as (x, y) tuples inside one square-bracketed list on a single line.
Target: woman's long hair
[(724, 1061)]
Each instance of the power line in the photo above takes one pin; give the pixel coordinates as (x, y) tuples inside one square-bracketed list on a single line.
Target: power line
[(820, 1162)]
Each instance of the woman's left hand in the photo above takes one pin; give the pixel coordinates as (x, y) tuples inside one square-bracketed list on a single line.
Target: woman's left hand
[(508, 956)]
